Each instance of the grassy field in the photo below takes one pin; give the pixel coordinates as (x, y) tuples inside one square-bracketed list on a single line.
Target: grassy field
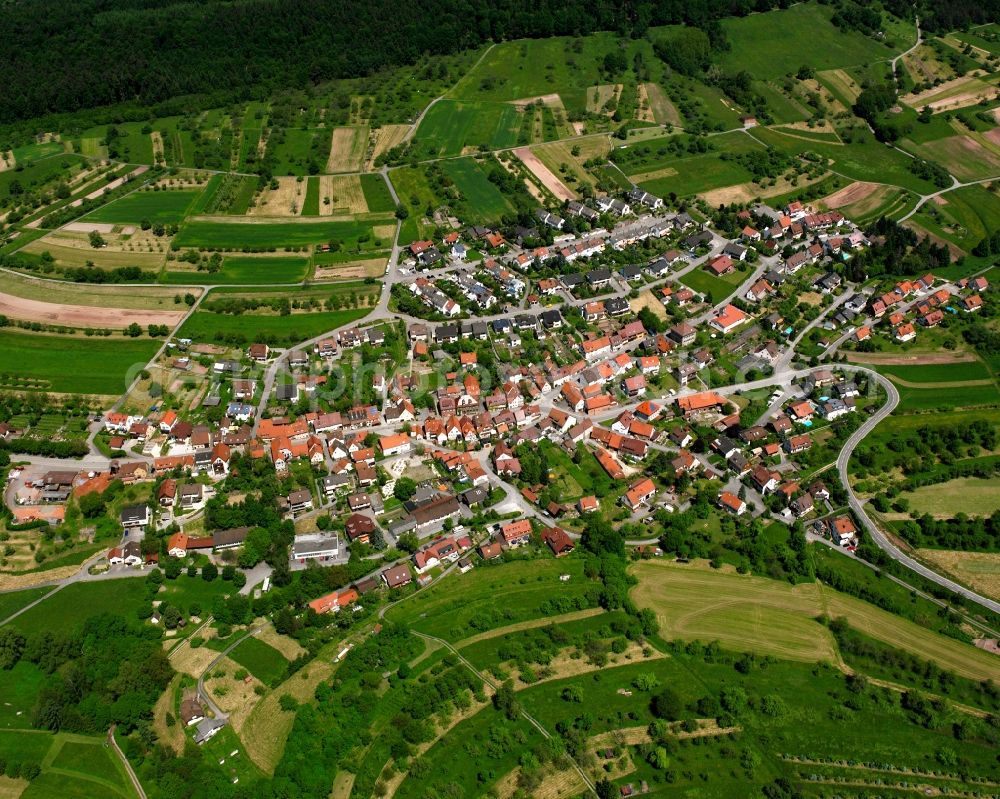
[(18, 694), (67, 608), (377, 194), (524, 69), (863, 159), (263, 661), (347, 149), (932, 398), (964, 216), (974, 496), (466, 604), (960, 372), (154, 206), (450, 127), (484, 198), (236, 236), (15, 600), (770, 45), (246, 269), (964, 156), (208, 326), (72, 365), (558, 156), (697, 173), (765, 616), (87, 294), (716, 287), (980, 570), (310, 205)]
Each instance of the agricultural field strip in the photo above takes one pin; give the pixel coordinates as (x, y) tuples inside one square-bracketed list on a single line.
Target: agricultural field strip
[(681, 594)]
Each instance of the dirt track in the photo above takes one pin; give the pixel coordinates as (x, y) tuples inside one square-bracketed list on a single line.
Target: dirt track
[(544, 174), (908, 360), (82, 315)]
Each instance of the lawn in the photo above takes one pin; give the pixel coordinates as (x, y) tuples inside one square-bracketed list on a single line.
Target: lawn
[(185, 591), (154, 206), (15, 600), (72, 365), (209, 326), (377, 194), (770, 617), (450, 126), (244, 236), (485, 200), (246, 269), (263, 661), (68, 608), (18, 693), (466, 604), (708, 284), (774, 44)]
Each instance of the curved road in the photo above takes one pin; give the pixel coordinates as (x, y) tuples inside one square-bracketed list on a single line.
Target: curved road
[(202, 693), (884, 543)]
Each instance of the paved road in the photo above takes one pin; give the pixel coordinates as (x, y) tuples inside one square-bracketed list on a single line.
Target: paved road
[(858, 507), (202, 693), (916, 44)]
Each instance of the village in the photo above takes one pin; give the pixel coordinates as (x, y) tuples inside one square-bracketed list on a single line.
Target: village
[(511, 399)]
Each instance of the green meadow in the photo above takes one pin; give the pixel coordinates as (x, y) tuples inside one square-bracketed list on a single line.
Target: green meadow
[(773, 44), (450, 126), (68, 608), (262, 660), (237, 235), (485, 201), (246, 269), (273, 328), (154, 206), (92, 365), (466, 604), (377, 195)]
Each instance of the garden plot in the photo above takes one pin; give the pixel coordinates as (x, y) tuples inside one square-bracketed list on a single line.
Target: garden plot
[(387, 137), (286, 200), (548, 179), (598, 98), (341, 195), (952, 94), (347, 149)]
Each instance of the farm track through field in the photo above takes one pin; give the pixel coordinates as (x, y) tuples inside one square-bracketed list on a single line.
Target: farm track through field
[(528, 717), (529, 625)]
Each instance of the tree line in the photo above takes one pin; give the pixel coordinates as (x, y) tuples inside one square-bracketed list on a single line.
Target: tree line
[(76, 56)]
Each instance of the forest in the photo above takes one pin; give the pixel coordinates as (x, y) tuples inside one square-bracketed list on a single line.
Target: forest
[(91, 53)]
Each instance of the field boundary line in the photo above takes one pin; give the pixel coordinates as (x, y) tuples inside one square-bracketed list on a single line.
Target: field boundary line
[(531, 719)]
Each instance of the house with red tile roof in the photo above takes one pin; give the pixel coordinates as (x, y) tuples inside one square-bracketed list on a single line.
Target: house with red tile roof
[(640, 493)]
